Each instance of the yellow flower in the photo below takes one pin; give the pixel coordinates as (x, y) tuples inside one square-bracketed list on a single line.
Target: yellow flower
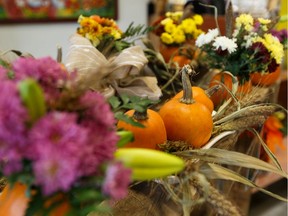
[(198, 19), (169, 27), (188, 26), (245, 20), (174, 15), (264, 21), (178, 35), (273, 45), (93, 38), (166, 38)]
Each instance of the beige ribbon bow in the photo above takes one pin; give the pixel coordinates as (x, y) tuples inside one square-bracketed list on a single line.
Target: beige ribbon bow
[(120, 73)]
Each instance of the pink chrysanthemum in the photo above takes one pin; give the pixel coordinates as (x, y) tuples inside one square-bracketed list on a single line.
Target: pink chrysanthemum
[(100, 122), (57, 146), (116, 181), (46, 71), (3, 73), (13, 116)]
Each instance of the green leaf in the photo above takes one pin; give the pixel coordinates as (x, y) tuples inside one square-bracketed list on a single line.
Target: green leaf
[(125, 137), (87, 195), (114, 102), (121, 116), (125, 98), (33, 98)]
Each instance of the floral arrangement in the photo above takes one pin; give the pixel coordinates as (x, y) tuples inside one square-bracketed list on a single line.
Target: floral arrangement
[(250, 48), (106, 36), (60, 144), (41, 114), (109, 61), (174, 29), (97, 29)]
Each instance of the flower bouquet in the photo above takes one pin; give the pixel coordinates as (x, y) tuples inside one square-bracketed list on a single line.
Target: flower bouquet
[(59, 144), (250, 48)]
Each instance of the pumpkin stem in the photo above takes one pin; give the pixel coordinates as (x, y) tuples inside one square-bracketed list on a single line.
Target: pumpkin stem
[(186, 71), (140, 115)]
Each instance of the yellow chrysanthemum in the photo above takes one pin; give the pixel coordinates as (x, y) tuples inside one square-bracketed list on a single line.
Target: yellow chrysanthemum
[(166, 38), (264, 21), (245, 20), (273, 44), (165, 21), (188, 26), (198, 19), (197, 32), (93, 38), (178, 35), (169, 27), (174, 15)]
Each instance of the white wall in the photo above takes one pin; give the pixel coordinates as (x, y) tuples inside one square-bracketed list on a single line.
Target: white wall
[(42, 39)]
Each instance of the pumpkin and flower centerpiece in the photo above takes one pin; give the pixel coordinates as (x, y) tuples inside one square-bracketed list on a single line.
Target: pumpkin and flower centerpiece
[(60, 147), (247, 48), (177, 32)]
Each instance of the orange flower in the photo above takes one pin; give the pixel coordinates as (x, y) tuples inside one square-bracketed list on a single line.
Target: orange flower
[(273, 136)]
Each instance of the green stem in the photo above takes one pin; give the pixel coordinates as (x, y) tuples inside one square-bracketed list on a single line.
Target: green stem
[(187, 98)]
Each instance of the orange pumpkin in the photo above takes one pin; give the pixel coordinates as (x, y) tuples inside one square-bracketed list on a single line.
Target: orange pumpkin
[(222, 94), (187, 120), (266, 79), (168, 51), (153, 133), (199, 95), (14, 202), (181, 60)]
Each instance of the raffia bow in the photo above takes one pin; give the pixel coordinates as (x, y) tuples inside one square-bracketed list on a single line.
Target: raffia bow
[(120, 73)]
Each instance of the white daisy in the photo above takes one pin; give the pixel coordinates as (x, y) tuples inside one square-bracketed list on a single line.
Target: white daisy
[(206, 38), (225, 43)]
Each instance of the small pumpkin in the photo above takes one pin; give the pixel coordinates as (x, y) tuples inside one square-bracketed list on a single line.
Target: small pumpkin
[(266, 79), (151, 135), (181, 60), (168, 51), (222, 94), (14, 201), (187, 119), (199, 95)]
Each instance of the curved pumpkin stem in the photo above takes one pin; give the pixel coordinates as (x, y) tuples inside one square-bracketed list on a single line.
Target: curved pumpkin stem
[(187, 98), (140, 115)]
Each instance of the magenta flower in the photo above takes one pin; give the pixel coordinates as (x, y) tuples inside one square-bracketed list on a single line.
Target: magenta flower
[(3, 73), (99, 120), (53, 172), (116, 181), (13, 132), (46, 71), (57, 147)]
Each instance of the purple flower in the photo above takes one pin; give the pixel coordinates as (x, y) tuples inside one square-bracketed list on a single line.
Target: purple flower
[(97, 109), (57, 147), (3, 73), (117, 181), (282, 35), (99, 120), (46, 71), (13, 130), (54, 172), (262, 52)]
